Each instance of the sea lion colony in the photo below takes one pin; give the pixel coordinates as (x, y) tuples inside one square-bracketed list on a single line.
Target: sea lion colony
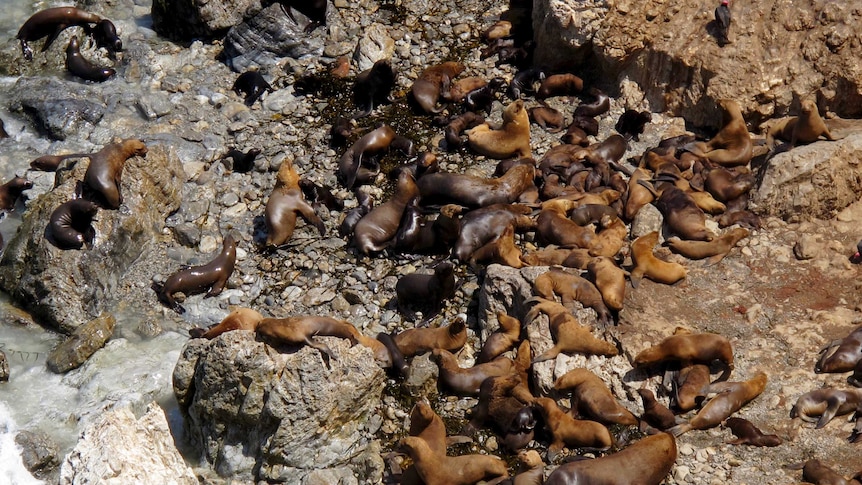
[(556, 199)]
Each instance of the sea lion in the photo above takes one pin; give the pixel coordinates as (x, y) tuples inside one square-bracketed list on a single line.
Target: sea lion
[(600, 105), (806, 128), (480, 226), (682, 215), (426, 290), (512, 418), (687, 348), (575, 135), (436, 469), (511, 140), (748, 434), (841, 355), (427, 425), (373, 87), (550, 119), (458, 125), (612, 237), (725, 185), (427, 88), (11, 190), (501, 340), (106, 168), (417, 235), (559, 85), (252, 85), (374, 231), (77, 65), (524, 82), (70, 224), (499, 30), (481, 99), (299, 330), (549, 256), (49, 23), (320, 195), (647, 264), (814, 471), (732, 145), (499, 251), (571, 287), (646, 462), (656, 414), (730, 397), (463, 381), (420, 340), (567, 431), (105, 35), (211, 276), (238, 319), (631, 123), (369, 145), (689, 386), (315, 10), (569, 335), (592, 398), (457, 90), (637, 195), (242, 162), (284, 204), (715, 250), (825, 403), (473, 191), (554, 227), (610, 280), (354, 215)]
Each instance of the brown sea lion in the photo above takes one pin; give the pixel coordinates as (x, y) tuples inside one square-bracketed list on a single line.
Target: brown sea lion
[(420, 340), (586, 214), (841, 355), (732, 145), (499, 30), (549, 256), (49, 23), (466, 381), (373, 87), (550, 119), (646, 462), (299, 330), (78, 66), (427, 425), (814, 471), (572, 288), (656, 414), (374, 231), (725, 185), (70, 224), (689, 386), (105, 35), (500, 251), (350, 168), (592, 398), (715, 250), (501, 340), (458, 90), (284, 204), (473, 191), (825, 403), (682, 215), (458, 125), (435, 469), (687, 348), (647, 264), (106, 168), (427, 88), (560, 85), (637, 195), (554, 227), (211, 276), (417, 235), (806, 128), (426, 290), (11, 190), (480, 226), (511, 417), (600, 105), (610, 279), (567, 431), (238, 319), (569, 335), (612, 237), (511, 140), (748, 434), (730, 397)]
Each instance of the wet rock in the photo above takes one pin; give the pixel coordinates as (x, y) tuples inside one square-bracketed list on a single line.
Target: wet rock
[(117, 447), (260, 413), (4, 367), (58, 109), (84, 341), (186, 20), (38, 452)]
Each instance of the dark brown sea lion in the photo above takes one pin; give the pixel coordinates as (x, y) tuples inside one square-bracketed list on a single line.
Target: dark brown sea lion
[(105, 35), (732, 145), (284, 204), (689, 386), (106, 168), (70, 226), (480, 226), (687, 348), (646, 462), (458, 125), (11, 190), (554, 227), (417, 290), (730, 397), (238, 319), (631, 123), (715, 250), (825, 403), (600, 105), (524, 81), (420, 340), (3, 133), (575, 135), (211, 276), (353, 216), (592, 398), (320, 195), (567, 431), (473, 191), (814, 471), (417, 235), (571, 287), (656, 414), (427, 88), (725, 185), (374, 231), (841, 355), (242, 162), (373, 87), (748, 434), (252, 85), (559, 85), (511, 140), (501, 340), (434, 468), (647, 264), (315, 10), (299, 330), (466, 381), (550, 119), (77, 65), (569, 335), (49, 23), (350, 165), (481, 99), (682, 215)]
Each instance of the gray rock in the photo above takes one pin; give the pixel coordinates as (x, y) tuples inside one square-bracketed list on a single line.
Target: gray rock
[(60, 118), (263, 414), (188, 19), (647, 220), (4, 367), (374, 45), (187, 234), (38, 452), (155, 105), (562, 26), (84, 341)]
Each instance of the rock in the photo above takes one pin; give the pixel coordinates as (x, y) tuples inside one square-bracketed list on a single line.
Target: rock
[(85, 340), (189, 19), (647, 220), (374, 45), (4, 367), (38, 452), (267, 37), (117, 448), (67, 109), (260, 414), (806, 247), (66, 288)]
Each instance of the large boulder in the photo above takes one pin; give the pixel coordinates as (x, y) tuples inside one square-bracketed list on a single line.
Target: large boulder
[(257, 413), (190, 19), (63, 289), (55, 108)]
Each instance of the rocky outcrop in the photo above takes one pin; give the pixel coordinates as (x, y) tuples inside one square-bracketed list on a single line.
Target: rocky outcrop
[(118, 448), (57, 109), (65, 288), (84, 341), (258, 413), (190, 19)]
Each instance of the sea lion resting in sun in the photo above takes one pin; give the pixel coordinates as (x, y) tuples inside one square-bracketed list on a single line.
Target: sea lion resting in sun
[(732, 145), (511, 140)]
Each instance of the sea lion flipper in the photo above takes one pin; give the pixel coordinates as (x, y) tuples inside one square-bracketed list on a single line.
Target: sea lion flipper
[(833, 403), (52, 37)]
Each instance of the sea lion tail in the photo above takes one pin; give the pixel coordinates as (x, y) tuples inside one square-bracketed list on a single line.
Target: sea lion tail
[(679, 429)]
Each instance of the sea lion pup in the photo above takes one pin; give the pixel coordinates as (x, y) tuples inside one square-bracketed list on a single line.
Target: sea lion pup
[(814, 471), (559, 85), (369, 145), (725, 185), (512, 418), (550, 119), (70, 225), (500, 251), (105, 35), (463, 381), (420, 340), (498, 30), (549, 256), (49, 23), (481, 99), (501, 340), (286, 202), (732, 145), (524, 82), (646, 462), (426, 290), (748, 434), (554, 227), (251, 85), (825, 403), (567, 431), (687, 348), (238, 319), (374, 231), (211, 276), (427, 88), (656, 414), (299, 330), (480, 226), (730, 397), (689, 386), (531, 472), (841, 355), (320, 195), (241, 162), (592, 398), (11, 190), (354, 215), (458, 125), (457, 90), (417, 235), (610, 279), (806, 128), (511, 140), (715, 250), (373, 87), (78, 66), (600, 105), (472, 191), (647, 264), (631, 123), (435, 469), (570, 288), (106, 168), (569, 335), (315, 10)]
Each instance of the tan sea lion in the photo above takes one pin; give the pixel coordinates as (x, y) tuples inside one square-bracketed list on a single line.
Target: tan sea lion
[(299, 330), (689, 386), (466, 381), (374, 231), (458, 90), (612, 237), (238, 319), (211, 276), (647, 264), (435, 469), (572, 287), (730, 397), (592, 398), (548, 118), (732, 145), (420, 340), (501, 340), (427, 425), (567, 431), (825, 403), (610, 279), (748, 434), (715, 250), (569, 335), (511, 140), (637, 195), (49, 23), (427, 88), (806, 128), (284, 204), (500, 251), (106, 168), (701, 348)]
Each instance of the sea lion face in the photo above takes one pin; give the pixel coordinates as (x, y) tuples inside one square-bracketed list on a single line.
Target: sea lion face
[(134, 148)]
